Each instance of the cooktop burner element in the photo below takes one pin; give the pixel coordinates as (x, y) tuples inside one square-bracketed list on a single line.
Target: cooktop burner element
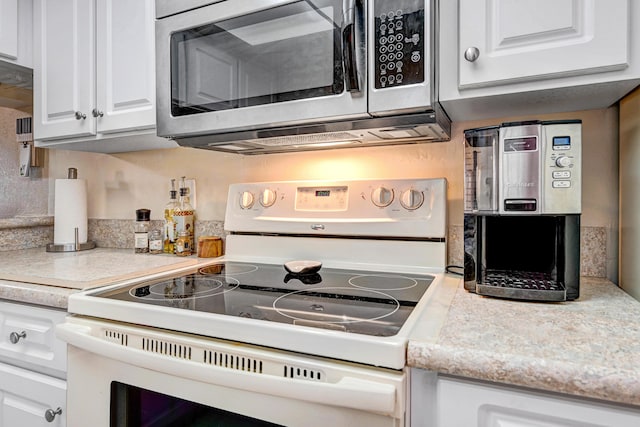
[(349, 300), (313, 306), (190, 286)]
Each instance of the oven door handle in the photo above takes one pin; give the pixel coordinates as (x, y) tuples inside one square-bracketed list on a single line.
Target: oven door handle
[(348, 392)]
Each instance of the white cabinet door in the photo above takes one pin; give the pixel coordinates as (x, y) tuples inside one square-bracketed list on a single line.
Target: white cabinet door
[(8, 29), (25, 397), (125, 41), (64, 68), (520, 40), (468, 403)]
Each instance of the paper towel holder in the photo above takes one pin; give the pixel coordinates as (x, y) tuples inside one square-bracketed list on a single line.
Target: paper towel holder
[(71, 247), (72, 173)]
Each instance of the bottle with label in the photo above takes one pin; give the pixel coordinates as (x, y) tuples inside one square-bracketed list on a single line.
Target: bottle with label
[(183, 244), (141, 231), (169, 232), (184, 213)]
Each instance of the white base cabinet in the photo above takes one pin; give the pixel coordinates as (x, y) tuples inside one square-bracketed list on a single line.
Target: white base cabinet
[(443, 401), (31, 399), (33, 367), (518, 57)]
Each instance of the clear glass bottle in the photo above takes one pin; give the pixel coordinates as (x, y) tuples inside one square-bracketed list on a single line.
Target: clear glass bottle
[(169, 232), (183, 244), (141, 231), (184, 213), (155, 242)]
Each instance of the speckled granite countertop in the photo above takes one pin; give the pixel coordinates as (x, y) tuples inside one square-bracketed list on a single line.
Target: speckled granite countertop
[(38, 277), (589, 347)]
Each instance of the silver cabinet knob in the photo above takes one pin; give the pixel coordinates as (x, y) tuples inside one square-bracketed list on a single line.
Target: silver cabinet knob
[(50, 414), (96, 113), (80, 116), (471, 54), (14, 337)]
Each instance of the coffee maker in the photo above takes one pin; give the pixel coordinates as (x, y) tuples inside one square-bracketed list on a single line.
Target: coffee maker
[(522, 206)]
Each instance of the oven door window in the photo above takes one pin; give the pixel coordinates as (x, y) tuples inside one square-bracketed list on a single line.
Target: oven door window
[(133, 406), (289, 52)]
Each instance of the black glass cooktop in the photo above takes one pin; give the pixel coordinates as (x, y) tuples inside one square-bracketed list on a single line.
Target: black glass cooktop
[(355, 301)]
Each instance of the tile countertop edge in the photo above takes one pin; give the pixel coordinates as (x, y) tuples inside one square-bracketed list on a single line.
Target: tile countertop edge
[(606, 383)]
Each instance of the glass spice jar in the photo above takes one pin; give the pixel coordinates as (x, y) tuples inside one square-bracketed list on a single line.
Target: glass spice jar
[(183, 244), (155, 242), (141, 231)]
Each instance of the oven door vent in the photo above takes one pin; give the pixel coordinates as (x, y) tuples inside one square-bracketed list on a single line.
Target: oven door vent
[(233, 361), (166, 348), (302, 373), (116, 337)]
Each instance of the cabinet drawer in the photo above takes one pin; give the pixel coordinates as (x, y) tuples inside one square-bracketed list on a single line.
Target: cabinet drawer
[(27, 338), (26, 396)]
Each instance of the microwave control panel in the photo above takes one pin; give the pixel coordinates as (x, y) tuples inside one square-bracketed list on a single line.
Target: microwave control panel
[(399, 57)]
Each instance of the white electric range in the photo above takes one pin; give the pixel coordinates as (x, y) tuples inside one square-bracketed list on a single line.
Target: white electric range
[(247, 333)]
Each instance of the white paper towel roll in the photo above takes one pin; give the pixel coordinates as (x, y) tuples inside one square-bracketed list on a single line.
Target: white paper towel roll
[(70, 211)]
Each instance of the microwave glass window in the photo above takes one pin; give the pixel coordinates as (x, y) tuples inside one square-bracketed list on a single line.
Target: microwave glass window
[(134, 406), (289, 52)]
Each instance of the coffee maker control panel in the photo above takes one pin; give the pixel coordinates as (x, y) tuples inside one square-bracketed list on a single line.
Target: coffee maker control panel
[(562, 167)]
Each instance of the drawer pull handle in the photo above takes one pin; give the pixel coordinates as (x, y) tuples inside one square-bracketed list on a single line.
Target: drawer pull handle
[(50, 414), (14, 337)]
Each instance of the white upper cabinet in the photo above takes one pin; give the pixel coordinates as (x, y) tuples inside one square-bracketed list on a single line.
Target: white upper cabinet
[(9, 29), (94, 75), (520, 40), (511, 57), (64, 72), (16, 32), (126, 89)]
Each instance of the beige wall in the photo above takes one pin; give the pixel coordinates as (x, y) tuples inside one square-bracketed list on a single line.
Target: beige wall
[(119, 184), (630, 194)]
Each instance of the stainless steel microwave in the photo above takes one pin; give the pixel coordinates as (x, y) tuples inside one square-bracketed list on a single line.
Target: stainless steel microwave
[(277, 75)]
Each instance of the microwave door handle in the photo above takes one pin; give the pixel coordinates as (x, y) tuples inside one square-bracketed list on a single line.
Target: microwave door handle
[(349, 46)]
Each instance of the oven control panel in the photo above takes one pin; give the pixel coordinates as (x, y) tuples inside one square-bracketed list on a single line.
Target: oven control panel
[(394, 207)]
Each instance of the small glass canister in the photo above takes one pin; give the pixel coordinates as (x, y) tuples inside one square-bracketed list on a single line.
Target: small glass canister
[(183, 244), (155, 242)]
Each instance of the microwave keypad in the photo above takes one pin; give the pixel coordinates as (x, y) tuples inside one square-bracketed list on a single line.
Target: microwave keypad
[(399, 43)]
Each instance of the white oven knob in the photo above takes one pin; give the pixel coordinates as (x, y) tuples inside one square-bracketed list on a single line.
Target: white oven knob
[(563, 161), (268, 197), (246, 200), (411, 199), (382, 197)]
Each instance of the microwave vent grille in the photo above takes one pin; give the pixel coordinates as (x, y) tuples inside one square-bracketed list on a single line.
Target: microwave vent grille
[(310, 139)]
